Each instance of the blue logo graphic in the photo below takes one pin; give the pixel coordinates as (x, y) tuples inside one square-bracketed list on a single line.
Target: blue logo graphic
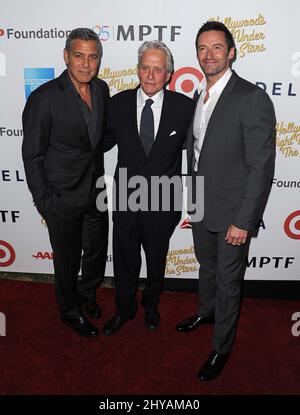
[(34, 77)]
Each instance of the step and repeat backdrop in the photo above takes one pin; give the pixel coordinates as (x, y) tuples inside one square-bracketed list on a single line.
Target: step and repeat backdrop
[(32, 38)]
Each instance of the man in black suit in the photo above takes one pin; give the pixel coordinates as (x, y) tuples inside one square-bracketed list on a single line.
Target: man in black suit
[(62, 152), (231, 142), (149, 125)]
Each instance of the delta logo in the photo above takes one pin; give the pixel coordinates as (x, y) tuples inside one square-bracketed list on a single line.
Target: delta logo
[(186, 224), (35, 77), (43, 255)]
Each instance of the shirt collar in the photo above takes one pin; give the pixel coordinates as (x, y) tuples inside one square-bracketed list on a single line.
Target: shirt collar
[(92, 87), (142, 97), (221, 83)]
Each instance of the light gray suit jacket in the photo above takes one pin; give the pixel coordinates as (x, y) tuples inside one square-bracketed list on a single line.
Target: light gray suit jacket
[(237, 156)]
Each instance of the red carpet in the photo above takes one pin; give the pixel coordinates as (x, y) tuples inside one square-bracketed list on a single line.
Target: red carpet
[(39, 355)]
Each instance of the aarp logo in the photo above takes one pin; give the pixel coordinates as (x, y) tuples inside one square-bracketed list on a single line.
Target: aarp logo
[(292, 225), (186, 80), (7, 254)]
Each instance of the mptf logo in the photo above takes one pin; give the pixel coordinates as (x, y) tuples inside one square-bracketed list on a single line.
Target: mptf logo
[(7, 254), (186, 80), (133, 32), (292, 225), (2, 324), (34, 77), (2, 64)]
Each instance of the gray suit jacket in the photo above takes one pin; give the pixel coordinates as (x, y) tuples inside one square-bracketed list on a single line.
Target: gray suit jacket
[(237, 156)]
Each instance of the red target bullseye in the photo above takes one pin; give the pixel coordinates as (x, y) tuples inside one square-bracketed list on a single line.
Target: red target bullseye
[(292, 225), (7, 254), (186, 80)]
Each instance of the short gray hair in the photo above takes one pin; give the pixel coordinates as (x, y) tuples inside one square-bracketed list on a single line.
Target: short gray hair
[(156, 44), (83, 33)]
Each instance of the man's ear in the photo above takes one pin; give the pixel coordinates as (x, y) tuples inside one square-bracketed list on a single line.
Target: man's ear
[(231, 53), (66, 56)]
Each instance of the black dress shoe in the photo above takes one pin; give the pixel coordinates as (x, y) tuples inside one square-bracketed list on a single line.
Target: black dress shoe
[(81, 326), (92, 309), (152, 319), (115, 324), (213, 367), (192, 323)]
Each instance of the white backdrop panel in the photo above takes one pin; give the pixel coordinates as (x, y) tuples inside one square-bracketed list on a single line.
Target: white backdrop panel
[(32, 35)]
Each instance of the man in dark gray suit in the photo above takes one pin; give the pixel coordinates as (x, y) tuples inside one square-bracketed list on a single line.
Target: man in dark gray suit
[(231, 143), (62, 152)]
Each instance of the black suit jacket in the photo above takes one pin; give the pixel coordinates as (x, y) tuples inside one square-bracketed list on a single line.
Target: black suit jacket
[(165, 157), (237, 156), (61, 165)]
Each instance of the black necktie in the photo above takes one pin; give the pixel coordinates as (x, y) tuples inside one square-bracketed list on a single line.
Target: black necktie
[(147, 126)]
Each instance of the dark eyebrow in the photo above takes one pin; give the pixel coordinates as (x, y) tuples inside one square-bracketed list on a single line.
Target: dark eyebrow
[(215, 44)]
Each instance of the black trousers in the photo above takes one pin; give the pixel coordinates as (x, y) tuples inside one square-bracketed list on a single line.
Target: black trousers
[(221, 272), (78, 243), (127, 261)]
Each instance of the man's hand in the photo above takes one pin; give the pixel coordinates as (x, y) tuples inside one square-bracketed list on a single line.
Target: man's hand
[(236, 236)]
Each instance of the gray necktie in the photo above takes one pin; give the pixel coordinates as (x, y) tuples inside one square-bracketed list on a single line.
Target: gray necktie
[(147, 126)]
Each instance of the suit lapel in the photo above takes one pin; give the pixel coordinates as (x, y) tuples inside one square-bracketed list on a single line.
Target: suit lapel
[(190, 137), (100, 116), (72, 107), (164, 123), (133, 128), (221, 104)]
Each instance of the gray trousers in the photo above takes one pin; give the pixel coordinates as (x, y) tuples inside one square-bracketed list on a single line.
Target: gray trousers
[(222, 268)]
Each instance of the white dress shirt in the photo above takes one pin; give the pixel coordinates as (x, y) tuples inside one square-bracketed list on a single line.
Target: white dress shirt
[(204, 111), (156, 107)]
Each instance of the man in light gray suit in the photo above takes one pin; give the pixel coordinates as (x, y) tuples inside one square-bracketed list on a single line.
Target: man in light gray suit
[(232, 144)]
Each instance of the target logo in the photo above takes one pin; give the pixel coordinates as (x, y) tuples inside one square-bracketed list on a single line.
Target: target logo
[(292, 225), (186, 80), (7, 254)]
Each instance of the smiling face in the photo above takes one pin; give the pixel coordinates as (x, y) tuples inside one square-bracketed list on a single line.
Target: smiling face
[(82, 60), (213, 54), (153, 71)]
